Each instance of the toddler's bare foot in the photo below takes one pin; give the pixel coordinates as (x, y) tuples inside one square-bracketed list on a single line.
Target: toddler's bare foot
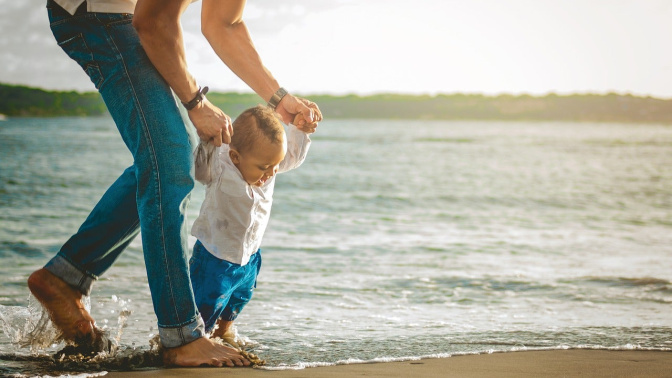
[(224, 330), (63, 303), (204, 351)]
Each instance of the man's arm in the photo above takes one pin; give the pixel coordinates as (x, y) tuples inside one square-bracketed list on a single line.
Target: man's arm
[(222, 24), (158, 25)]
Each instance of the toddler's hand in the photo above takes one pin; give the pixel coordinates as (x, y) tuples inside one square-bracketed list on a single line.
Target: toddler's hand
[(306, 128)]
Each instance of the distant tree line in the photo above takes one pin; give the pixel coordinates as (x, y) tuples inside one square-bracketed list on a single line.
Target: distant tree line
[(25, 101), (577, 107)]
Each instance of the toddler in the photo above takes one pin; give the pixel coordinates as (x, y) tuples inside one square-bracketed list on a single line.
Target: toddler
[(239, 180)]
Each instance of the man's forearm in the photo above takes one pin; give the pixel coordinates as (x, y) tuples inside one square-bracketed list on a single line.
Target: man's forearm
[(225, 30), (158, 26)]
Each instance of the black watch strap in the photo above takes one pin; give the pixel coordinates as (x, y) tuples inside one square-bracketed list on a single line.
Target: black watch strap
[(198, 98)]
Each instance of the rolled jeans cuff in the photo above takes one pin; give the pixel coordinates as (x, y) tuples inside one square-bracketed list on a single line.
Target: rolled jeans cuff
[(63, 269), (172, 337)]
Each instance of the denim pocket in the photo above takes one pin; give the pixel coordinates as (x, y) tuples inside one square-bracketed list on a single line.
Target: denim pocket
[(78, 51), (122, 19)]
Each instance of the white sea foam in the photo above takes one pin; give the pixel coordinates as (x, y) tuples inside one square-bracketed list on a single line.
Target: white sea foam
[(80, 375)]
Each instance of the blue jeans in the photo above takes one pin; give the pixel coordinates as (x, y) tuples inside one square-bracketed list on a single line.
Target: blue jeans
[(150, 196), (221, 288)]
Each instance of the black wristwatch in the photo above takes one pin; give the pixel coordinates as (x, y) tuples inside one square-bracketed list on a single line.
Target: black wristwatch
[(198, 98)]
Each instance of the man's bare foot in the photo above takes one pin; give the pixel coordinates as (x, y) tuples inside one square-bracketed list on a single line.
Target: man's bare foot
[(88, 346), (64, 305), (204, 351)]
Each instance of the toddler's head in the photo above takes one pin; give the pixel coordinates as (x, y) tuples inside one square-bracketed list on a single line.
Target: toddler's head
[(258, 144)]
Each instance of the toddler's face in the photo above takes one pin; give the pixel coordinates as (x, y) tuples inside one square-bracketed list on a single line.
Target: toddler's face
[(259, 163)]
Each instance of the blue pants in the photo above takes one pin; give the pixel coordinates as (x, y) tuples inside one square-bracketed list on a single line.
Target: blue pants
[(221, 288), (151, 195)]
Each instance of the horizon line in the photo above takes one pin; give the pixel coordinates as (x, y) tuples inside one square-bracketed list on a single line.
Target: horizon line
[(401, 93)]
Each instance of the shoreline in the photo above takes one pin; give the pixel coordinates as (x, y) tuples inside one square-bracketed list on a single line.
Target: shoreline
[(594, 363)]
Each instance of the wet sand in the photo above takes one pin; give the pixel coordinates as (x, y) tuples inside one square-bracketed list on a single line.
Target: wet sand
[(550, 364)]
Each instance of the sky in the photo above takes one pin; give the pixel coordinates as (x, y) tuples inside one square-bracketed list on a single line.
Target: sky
[(417, 47)]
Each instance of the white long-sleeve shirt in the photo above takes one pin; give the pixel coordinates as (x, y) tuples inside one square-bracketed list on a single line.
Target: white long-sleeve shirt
[(234, 214)]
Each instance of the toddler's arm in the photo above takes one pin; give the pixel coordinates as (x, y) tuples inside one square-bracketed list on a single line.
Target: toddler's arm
[(308, 129), (298, 142)]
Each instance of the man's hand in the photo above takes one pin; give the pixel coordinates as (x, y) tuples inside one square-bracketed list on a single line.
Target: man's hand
[(300, 112), (211, 123)]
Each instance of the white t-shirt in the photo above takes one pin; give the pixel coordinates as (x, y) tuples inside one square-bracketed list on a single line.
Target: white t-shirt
[(234, 214)]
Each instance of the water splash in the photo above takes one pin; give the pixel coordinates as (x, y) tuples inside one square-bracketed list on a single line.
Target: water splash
[(29, 327), (122, 319), (234, 338)]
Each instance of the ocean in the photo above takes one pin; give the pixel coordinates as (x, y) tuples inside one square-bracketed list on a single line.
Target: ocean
[(395, 240)]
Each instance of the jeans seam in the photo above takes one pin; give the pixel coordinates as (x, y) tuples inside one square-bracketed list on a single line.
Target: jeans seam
[(69, 19), (119, 22), (129, 230), (156, 165)]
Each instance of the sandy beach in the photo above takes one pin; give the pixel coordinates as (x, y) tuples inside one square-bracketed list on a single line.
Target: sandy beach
[(556, 363)]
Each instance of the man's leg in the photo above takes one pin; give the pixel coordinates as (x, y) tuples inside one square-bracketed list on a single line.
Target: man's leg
[(107, 231), (147, 117)]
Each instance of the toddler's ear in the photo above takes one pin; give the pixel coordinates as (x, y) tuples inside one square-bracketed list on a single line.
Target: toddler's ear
[(234, 156)]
